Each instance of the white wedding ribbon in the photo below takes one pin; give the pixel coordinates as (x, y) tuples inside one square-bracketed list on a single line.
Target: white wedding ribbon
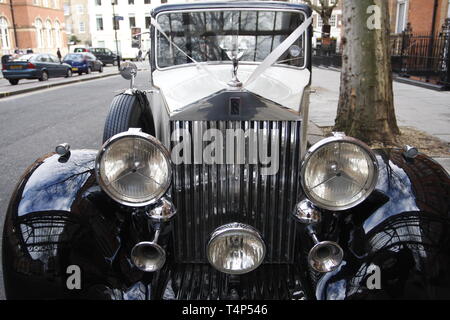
[(278, 52), (198, 64)]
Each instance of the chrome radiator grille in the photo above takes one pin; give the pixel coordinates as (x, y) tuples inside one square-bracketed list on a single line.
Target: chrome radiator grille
[(210, 195)]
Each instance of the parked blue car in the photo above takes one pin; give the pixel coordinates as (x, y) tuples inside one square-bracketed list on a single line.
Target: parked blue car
[(35, 66), (83, 62)]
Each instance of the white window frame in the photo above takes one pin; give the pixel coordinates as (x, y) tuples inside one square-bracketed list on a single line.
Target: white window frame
[(81, 29), (448, 12), (39, 26), (4, 33), (405, 16), (333, 21), (57, 27), (49, 33), (97, 19)]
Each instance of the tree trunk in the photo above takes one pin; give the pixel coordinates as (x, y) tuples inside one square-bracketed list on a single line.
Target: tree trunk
[(366, 106)]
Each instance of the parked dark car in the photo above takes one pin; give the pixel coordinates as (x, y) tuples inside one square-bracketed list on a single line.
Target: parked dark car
[(35, 66), (204, 187), (84, 62), (103, 54)]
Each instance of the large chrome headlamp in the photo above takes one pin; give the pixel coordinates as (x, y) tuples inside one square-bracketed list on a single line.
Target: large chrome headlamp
[(339, 172), (236, 248), (133, 168)]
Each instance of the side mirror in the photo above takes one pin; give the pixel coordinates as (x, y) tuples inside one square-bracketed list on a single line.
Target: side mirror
[(128, 71)]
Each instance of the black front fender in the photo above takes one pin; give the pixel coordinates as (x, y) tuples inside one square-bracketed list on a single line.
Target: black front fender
[(400, 235), (58, 217)]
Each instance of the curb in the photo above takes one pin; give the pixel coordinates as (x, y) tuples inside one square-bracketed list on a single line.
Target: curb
[(56, 84)]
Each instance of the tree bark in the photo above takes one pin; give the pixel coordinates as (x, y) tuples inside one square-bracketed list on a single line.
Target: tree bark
[(366, 103)]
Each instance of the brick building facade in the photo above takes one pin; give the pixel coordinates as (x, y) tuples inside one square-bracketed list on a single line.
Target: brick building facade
[(32, 24), (425, 17)]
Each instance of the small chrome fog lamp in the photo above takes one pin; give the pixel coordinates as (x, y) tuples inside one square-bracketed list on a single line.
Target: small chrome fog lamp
[(236, 248)]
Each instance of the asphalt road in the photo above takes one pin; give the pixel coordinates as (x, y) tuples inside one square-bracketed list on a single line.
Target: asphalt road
[(32, 124)]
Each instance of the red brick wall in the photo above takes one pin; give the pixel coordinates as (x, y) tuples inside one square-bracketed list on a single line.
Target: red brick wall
[(26, 13), (5, 11), (420, 15)]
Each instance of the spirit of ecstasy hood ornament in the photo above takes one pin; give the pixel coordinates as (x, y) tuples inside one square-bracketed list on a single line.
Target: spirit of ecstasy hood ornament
[(234, 82), (235, 53)]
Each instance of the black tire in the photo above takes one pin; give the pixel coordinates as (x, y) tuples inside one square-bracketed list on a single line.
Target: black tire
[(44, 76), (80, 73), (89, 70), (68, 73), (129, 111), (101, 69), (13, 81)]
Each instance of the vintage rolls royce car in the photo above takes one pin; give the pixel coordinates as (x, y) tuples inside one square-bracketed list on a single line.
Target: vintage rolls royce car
[(205, 187)]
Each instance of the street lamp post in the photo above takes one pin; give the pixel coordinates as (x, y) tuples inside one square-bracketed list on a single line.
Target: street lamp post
[(113, 3)]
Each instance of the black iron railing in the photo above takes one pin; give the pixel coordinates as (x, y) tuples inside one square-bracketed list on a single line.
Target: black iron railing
[(423, 56)]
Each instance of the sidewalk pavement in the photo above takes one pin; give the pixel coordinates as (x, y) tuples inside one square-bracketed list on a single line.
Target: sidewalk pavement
[(424, 109)]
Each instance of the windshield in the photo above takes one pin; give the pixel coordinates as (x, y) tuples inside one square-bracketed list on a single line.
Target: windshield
[(211, 36), (74, 57)]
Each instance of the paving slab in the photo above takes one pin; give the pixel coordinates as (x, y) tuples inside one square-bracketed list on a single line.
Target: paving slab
[(424, 109)]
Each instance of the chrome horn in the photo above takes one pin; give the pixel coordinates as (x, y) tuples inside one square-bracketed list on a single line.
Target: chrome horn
[(149, 256), (324, 256)]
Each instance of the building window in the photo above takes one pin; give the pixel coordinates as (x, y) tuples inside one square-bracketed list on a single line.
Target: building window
[(36, 2), (319, 21), (80, 8), (448, 13), (39, 33), (58, 34), (132, 22), (66, 9), (49, 33), (81, 27), (147, 22), (98, 2), (4, 34), (131, 2), (147, 2), (99, 23), (68, 28), (402, 10), (333, 20), (163, 1), (45, 3)]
